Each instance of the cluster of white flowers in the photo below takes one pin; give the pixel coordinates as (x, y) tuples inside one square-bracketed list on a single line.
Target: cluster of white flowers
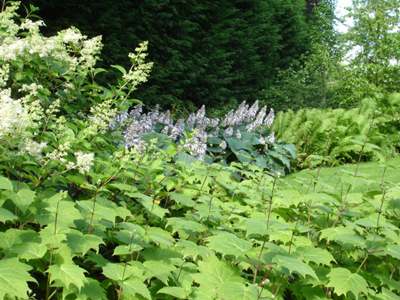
[(33, 148), (14, 117), (101, 116), (59, 154), (140, 70), (60, 46), (84, 161)]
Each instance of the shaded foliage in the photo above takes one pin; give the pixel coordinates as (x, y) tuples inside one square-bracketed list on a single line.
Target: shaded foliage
[(204, 52)]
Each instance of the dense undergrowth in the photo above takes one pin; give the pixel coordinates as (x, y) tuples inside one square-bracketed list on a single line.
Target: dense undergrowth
[(84, 217)]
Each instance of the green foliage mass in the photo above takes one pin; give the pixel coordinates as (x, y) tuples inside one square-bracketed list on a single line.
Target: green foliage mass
[(204, 52), (81, 217), (337, 135)]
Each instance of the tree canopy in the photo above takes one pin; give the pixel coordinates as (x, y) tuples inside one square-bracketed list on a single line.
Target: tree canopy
[(204, 51)]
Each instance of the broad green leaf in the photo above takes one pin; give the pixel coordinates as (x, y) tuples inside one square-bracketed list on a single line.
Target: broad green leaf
[(82, 243), (174, 291), (16, 236), (90, 290), (317, 255), (6, 215), (182, 199), (127, 249), (313, 293), (30, 250), (214, 273), (5, 183), (160, 254), (393, 250), (367, 222), (294, 266), (149, 204), (237, 291), (343, 235), (320, 198), (134, 286), (229, 244), (100, 210), (159, 269), (51, 236), (22, 199), (343, 281), (385, 280), (68, 274), (114, 271), (190, 249), (158, 235), (13, 278), (185, 227)]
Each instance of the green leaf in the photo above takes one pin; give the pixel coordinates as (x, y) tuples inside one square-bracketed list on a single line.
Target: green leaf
[(127, 249), (68, 274), (6, 215), (229, 244), (149, 204), (393, 250), (174, 291), (343, 281), (22, 199), (134, 286), (119, 68), (187, 227), (293, 266), (82, 243), (214, 273), (182, 199), (5, 183), (90, 290), (114, 271), (317, 255), (13, 278), (30, 250), (159, 269), (237, 291), (344, 236), (190, 249), (158, 235)]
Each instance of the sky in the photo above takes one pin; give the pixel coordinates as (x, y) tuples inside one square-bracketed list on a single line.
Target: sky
[(341, 4)]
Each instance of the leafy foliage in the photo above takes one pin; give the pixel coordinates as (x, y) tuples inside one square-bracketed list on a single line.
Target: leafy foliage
[(203, 52), (84, 218), (336, 136)]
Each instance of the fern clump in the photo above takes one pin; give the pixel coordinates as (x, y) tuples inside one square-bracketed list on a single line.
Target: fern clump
[(336, 135)]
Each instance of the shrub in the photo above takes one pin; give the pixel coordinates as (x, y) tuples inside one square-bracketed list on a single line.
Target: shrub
[(242, 136)]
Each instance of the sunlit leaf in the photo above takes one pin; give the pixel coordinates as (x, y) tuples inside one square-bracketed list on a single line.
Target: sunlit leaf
[(229, 244), (13, 278), (344, 281)]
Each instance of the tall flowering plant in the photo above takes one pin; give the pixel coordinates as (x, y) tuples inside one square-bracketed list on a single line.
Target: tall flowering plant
[(243, 135)]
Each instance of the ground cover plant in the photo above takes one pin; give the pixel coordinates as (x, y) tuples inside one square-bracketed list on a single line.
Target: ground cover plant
[(327, 175), (336, 136), (82, 216)]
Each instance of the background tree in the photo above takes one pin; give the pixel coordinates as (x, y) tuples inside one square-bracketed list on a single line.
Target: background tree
[(373, 44), (204, 51), (312, 81)]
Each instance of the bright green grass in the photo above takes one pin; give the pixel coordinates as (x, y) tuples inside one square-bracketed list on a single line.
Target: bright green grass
[(369, 177)]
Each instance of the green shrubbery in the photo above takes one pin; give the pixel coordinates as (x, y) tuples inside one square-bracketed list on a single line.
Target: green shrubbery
[(337, 136), (89, 212)]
